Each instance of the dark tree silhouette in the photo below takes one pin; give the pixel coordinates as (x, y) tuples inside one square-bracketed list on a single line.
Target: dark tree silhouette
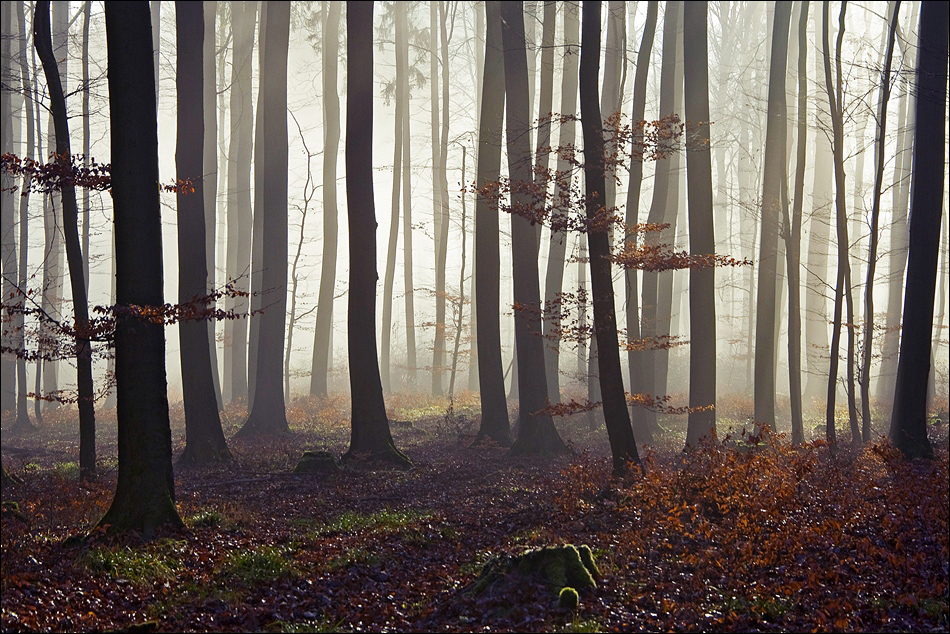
[(494, 423), (145, 491), (370, 432), (267, 415), (616, 416), (43, 40), (909, 418), (204, 436), (537, 433)]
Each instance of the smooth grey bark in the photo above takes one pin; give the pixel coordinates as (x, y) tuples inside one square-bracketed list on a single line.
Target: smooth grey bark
[(268, 414), (86, 138), (204, 438), (438, 212), (494, 422), (209, 176), (370, 432), (792, 232), (537, 433), (145, 491), (8, 256), (868, 331), (408, 280), (775, 174), (42, 38), (243, 19), (702, 282), (623, 446), (331, 148), (554, 274), (632, 216), (909, 418)]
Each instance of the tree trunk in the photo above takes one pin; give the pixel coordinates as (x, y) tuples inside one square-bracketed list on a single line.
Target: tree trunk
[(868, 332), (204, 438), (634, 358), (145, 491), (775, 173), (370, 432), (87, 416), (494, 423), (537, 433), (702, 282), (331, 149), (623, 446), (408, 281), (554, 275), (909, 418), (268, 415), (210, 178), (8, 257), (438, 345)]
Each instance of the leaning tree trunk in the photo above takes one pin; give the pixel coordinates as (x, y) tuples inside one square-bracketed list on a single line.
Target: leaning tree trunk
[(87, 416), (702, 282), (909, 418), (204, 438), (268, 414), (623, 446), (145, 491), (537, 433), (331, 148), (370, 432), (494, 423)]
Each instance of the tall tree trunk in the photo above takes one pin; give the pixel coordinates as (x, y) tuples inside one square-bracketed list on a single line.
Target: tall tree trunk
[(9, 257), (42, 38), (86, 138), (868, 332), (408, 281), (243, 17), (775, 173), (204, 438), (623, 446), (210, 177), (438, 345), (554, 275), (494, 423), (634, 358), (649, 326), (792, 230), (702, 282), (370, 432), (537, 433), (331, 148), (909, 418), (267, 414), (145, 491)]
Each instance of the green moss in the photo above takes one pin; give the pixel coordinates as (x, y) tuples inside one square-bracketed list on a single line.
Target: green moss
[(157, 563), (558, 566), (383, 520), (320, 462), (262, 565), (205, 517), (568, 598)]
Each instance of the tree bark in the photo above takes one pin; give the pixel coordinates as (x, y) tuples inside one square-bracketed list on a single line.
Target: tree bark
[(204, 438), (494, 423), (268, 415), (209, 178), (623, 446), (145, 491), (537, 433), (370, 432), (9, 258), (909, 418), (702, 282)]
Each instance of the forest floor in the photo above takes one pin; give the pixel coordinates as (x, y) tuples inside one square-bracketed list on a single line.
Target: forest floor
[(739, 536)]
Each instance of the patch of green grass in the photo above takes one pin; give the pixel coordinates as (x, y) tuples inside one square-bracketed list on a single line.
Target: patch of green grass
[(581, 625), (205, 518), (383, 520), (67, 470), (770, 608), (157, 563), (353, 557), (261, 565)]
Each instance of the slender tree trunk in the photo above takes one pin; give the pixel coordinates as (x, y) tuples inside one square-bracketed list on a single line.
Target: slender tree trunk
[(331, 148), (408, 281), (87, 416), (623, 446), (204, 438), (494, 423), (554, 275), (868, 342), (537, 433), (438, 345), (9, 257), (634, 358), (86, 137), (702, 282), (268, 414), (909, 418), (145, 491), (370, 432), (210, 177), (460, 303), (775, 173)]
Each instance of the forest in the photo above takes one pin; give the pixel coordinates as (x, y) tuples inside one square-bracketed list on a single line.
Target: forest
[(474, 316)]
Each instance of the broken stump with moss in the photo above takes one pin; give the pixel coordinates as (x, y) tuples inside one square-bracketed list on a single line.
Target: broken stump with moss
[(567, 567), (318, 462)]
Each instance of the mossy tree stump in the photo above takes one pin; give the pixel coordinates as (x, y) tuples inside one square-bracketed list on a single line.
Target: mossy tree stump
[(562, 567)]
